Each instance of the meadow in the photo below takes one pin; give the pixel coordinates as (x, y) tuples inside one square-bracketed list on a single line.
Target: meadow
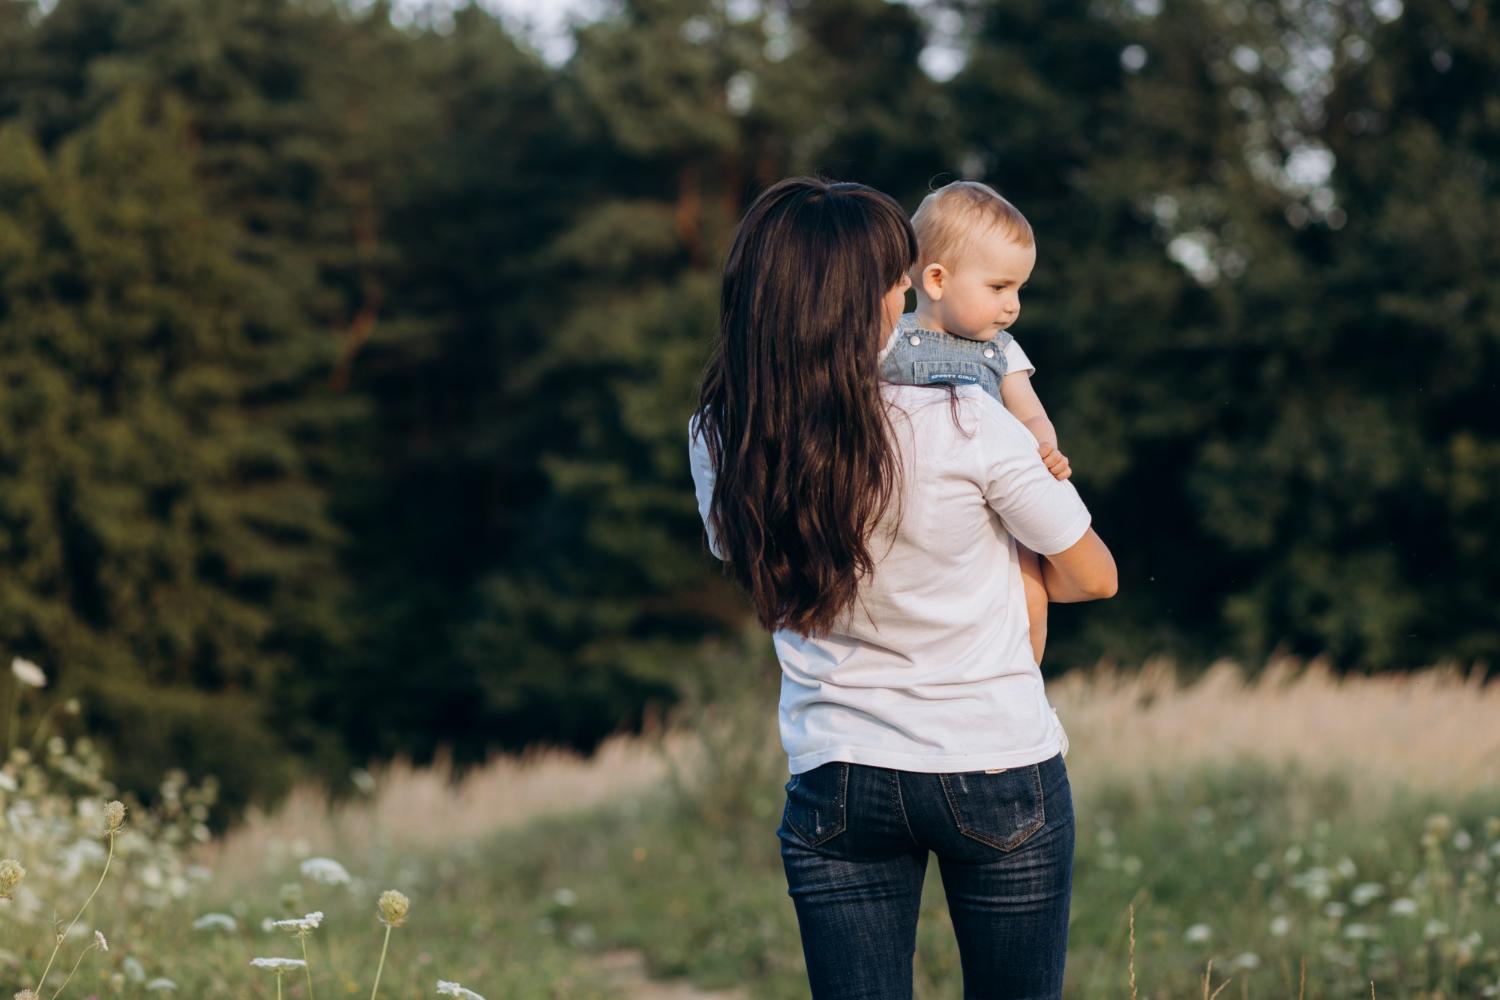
[(1290, 833)]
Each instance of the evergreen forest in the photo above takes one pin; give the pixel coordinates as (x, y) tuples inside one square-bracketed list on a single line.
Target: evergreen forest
[(346, 352)]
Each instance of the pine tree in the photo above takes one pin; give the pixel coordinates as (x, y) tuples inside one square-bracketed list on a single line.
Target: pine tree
[(161, 535)]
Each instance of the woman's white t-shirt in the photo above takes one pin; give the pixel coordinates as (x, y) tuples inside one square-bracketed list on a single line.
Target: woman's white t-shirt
[(931, 669)]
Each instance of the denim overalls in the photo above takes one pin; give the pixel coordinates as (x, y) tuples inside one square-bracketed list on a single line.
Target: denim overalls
[(930, 357)]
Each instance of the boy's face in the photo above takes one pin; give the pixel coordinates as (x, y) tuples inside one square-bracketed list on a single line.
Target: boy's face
[(980, 295)]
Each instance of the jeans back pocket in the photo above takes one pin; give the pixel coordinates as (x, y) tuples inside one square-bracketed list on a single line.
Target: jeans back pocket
[(1002, 809), (817, 803)]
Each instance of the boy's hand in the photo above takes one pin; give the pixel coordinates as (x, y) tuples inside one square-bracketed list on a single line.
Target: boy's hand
[(1055, 461)]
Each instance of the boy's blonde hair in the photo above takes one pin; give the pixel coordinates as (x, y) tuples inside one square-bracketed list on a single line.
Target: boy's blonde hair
[(949, 217)]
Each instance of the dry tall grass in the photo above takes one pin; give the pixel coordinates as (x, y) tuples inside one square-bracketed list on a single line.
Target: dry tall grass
[(1437, 729), (425, 807)]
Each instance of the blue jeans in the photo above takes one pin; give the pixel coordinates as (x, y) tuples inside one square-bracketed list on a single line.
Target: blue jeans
[(854, 842)]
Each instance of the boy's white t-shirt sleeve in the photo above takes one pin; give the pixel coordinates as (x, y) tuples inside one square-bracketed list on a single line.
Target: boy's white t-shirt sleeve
[(1044, 514), (1016, 359), (703, 480)]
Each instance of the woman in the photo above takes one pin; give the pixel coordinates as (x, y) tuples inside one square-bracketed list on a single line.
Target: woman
[(874, 527)]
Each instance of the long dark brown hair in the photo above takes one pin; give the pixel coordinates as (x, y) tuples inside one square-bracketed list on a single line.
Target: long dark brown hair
[(790, 403)]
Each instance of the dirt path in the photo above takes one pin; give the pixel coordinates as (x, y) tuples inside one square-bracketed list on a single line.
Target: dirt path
[(626, 967)]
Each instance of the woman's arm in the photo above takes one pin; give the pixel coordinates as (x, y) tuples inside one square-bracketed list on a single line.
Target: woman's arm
[(1085, 571), (1042, 513)]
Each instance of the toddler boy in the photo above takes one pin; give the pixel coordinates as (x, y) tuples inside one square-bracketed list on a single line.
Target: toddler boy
[(975, 252)]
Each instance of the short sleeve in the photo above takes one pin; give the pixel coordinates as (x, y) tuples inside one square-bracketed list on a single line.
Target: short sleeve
[(1045, 515), (1016, 359), (703, 480)]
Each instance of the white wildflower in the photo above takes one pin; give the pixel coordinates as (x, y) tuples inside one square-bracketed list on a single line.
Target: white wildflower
[(1462, 840), (28, 673), (278, 965), (161, 983), (7, 782), (1365, 892), (134, 969), (1361, 932), (1336, 910), (565, 896), (300, 926), (99, 940), (1280, 926), (216, 921), (1246, 960), (1198, 933), (325, 870), (1346, 867), (448, 989), (1404, 907), (1434, 929)]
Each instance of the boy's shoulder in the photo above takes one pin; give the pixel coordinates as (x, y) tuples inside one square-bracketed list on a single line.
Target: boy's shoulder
[(920, 356), (912, 334)]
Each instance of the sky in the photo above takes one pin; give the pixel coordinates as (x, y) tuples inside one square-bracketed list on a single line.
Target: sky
[(546, 23)]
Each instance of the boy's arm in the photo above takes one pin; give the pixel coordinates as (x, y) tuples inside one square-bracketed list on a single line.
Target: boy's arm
[(1024, 404), (1035, 589)]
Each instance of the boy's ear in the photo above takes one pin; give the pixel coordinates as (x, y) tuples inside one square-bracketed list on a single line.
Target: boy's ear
[(934, 280)]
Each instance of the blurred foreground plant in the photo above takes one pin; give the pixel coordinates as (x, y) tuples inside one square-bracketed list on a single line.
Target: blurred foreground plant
[(55, 804)]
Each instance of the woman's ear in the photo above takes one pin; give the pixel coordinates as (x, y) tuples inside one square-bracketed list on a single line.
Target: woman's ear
[(934, 279)]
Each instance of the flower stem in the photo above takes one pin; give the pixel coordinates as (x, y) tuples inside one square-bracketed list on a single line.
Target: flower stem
[(42, 979), (306, 967), (41, 725), (15, 720), (71, 971), (278, 986), (381, 966)]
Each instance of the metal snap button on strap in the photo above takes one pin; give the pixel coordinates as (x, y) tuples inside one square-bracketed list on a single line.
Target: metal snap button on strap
[(989, 353), (914, 341)]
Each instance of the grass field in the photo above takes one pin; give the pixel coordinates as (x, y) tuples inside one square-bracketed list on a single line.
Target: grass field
[(1303, 834)]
